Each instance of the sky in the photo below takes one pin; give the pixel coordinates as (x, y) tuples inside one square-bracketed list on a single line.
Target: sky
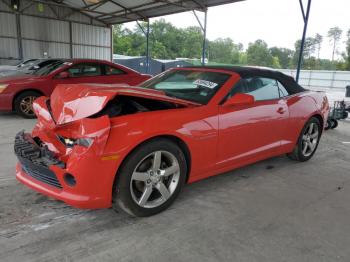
[(278, 22)]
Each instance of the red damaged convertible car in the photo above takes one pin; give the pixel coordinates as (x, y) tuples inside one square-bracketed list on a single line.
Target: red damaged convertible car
[(18, 92), (134, 148)]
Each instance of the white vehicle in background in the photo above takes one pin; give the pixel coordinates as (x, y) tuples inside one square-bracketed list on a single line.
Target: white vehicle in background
[(30, 67)]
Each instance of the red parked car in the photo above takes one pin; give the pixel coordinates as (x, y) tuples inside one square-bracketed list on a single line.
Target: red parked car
[(133, 148), (18, 92)]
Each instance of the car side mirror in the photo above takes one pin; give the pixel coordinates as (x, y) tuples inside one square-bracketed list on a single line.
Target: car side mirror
[(63, 75), (239, 99)]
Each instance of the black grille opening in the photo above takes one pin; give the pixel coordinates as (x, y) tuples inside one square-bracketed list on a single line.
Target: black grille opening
[(36, 159), (49, 179)]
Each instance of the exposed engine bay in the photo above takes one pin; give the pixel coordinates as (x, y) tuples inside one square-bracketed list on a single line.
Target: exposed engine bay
[(126, 105)]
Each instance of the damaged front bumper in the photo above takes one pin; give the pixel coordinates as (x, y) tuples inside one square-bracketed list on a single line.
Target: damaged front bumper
[(80, 173), (81, 179)]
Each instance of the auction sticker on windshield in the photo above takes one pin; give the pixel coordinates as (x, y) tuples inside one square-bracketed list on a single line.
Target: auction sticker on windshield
[(205, 83)]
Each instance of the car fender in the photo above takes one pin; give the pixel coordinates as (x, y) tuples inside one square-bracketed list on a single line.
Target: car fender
[(301, 108), (127, 133)]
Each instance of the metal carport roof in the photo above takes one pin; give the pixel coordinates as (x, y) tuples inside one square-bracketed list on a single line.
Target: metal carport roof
[(111, 12), (121, 11)]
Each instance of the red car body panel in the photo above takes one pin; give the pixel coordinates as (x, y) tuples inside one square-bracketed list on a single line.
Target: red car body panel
[(46, 84), (212, 134)]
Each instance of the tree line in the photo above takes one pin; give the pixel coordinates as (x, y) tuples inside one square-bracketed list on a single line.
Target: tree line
[(170, 42)]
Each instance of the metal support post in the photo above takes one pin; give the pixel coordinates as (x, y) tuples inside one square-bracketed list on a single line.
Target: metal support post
[(306, 21), (147, 48)]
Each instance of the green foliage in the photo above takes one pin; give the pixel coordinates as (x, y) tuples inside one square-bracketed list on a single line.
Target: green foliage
[(166, 41), (318, 43), (309, 49), (224, 51), (284, 56), (276, 62), (346, 55), (192, 41), (334, 35), (243, 60), (258, 54), (169, 42)]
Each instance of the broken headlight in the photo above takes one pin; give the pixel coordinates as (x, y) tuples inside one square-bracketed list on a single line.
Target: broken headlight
[(71, 142)]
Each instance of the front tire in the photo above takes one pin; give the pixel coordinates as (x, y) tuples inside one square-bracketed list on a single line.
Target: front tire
[(150, 178), (308, 141), (23, 104)]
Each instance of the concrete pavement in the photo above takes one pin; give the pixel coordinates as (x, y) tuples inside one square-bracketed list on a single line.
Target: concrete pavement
[(275, 210)]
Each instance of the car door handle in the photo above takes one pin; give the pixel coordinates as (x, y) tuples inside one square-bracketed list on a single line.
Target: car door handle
[(281, 110)]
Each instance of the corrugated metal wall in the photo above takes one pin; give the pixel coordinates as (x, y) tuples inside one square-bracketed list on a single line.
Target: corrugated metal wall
[(44, 29), (34, 49), (91, 41), (8, 38), (52, 32)]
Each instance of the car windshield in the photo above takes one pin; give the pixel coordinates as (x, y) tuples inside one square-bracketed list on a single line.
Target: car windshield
[(49, 68), (193, 85), (32, 64)]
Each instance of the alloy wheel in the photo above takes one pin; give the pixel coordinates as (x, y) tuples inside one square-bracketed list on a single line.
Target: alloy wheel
[(310, 139), (155, 179), (26, 105)]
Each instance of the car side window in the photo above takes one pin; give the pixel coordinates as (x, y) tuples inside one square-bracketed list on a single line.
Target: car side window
[(282, 89), (261, 88), (111, 70), (85, 69)]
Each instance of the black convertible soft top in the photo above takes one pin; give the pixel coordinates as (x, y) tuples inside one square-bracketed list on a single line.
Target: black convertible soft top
[(245, 71)]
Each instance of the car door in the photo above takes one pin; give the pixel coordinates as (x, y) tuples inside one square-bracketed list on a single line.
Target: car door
[(252, 131), (85, 72)]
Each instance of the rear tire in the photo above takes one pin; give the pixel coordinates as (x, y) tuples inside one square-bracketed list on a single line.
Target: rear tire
[(308, 141), (150, 178), (23, 104), (334, 123)]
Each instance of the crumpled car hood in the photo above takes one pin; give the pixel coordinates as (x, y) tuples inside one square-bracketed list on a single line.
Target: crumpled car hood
[(77, 101)]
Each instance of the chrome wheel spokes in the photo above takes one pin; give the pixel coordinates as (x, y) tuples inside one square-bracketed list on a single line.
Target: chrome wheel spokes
[(26, 105), (310, 139), (155, 179), (163, 190)]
